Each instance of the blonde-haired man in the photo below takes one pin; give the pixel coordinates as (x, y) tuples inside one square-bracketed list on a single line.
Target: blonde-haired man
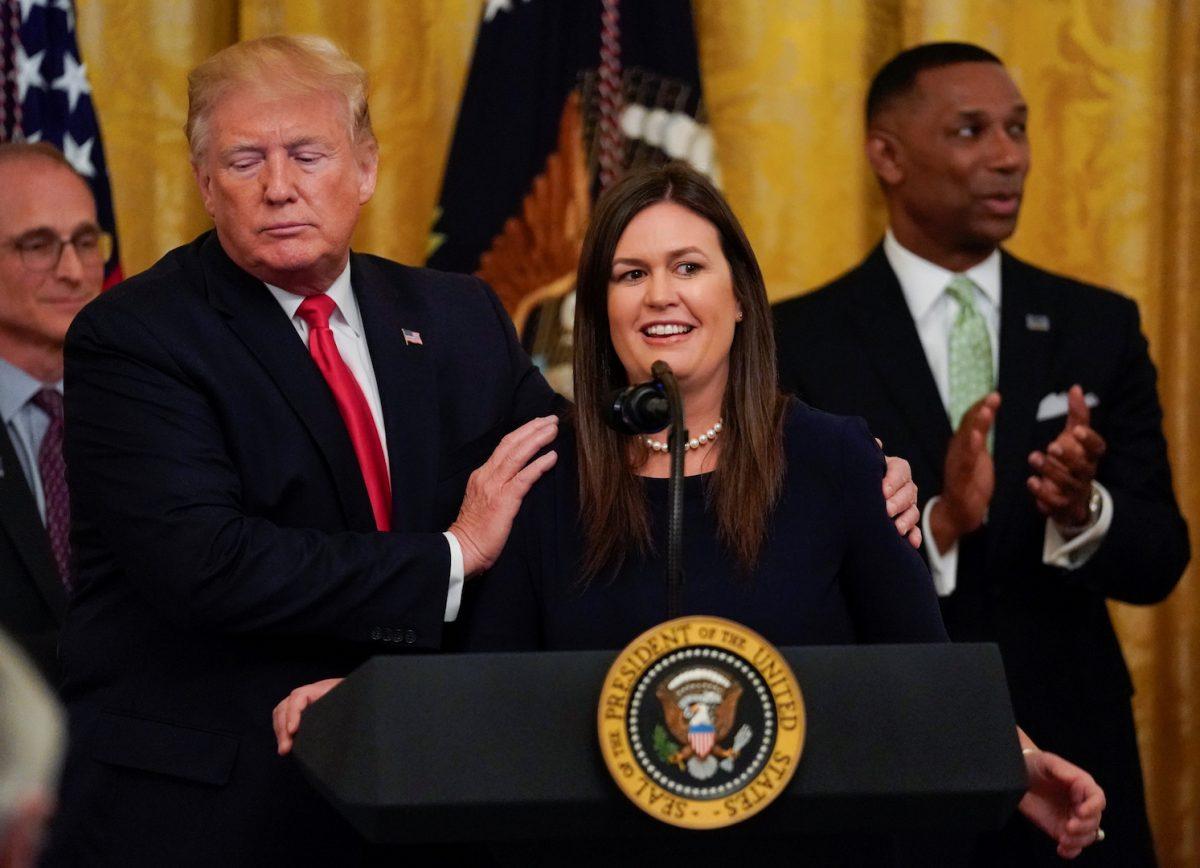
[(293, 428)]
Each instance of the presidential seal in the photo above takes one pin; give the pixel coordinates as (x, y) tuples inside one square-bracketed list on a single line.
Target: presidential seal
[(701, 722)]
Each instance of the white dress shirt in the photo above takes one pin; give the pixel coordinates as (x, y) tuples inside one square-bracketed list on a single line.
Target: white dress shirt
[(346, 324), (934, 312)]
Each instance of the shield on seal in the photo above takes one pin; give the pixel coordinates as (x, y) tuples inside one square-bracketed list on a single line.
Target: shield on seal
[(702, 736), (700, 705)]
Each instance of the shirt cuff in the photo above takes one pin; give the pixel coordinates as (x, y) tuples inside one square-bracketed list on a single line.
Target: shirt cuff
[(454, 595), (1073, 553), (942, 565)]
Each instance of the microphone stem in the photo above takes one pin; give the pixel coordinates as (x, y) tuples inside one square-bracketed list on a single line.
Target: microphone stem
[(678, 437)]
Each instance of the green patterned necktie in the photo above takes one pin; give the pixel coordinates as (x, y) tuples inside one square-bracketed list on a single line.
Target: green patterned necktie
[(970, 359)]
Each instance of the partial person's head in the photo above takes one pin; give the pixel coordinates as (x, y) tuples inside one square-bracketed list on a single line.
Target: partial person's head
[(946, 139), (667, 273), (52, 254), (283, 152), (32, 736)]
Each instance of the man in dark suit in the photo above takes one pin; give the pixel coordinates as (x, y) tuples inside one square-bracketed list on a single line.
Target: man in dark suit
[(1053, 492), (51, 264), (268, 438)]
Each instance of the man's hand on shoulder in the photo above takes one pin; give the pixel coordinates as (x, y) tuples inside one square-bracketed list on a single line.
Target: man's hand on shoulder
[(496, 489), (1062, 482), (900, 492), (969, 479)]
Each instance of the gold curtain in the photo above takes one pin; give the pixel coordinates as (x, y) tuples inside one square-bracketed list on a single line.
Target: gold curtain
[(1114, 90), (1114, 94)]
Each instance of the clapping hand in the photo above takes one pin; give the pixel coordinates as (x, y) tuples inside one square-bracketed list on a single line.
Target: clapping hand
[(1063, 474), (969, 478)]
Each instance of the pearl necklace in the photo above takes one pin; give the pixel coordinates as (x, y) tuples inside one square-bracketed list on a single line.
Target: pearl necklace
[(695, 443)]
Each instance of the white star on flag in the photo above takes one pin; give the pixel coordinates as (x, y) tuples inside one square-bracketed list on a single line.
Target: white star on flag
[(29, 72), (73, 80), (494, 6), (27, 7), (69, 8), (79, 156), (497, 6)]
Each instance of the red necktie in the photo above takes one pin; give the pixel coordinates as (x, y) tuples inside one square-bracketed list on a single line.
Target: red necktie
[(352, 404)]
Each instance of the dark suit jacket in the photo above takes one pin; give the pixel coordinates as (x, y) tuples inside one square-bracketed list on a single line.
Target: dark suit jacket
[(852, 347), (226, 547), (32, 599)]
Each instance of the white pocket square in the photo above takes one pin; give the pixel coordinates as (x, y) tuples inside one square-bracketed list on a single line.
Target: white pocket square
[(1055, 404)]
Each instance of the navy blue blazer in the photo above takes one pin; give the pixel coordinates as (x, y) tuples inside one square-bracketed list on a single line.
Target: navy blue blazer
[(226, 547), (832, 570)]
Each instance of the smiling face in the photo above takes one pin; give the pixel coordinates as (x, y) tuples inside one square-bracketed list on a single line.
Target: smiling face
[(670, 297), (284, 183), (952, 157), (43, 201)]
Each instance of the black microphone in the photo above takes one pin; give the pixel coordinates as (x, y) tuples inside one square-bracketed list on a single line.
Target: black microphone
[(643, 409), (639, 409)]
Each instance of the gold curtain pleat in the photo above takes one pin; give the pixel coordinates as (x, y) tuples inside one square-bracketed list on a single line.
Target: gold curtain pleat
[(1114, 91), (138, 53), (1164, 642)]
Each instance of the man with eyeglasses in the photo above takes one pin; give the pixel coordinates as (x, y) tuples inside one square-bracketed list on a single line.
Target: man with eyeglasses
[(52, 255)]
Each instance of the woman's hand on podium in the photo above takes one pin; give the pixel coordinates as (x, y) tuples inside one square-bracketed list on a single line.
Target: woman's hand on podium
[(286, 716), (1063, 801)]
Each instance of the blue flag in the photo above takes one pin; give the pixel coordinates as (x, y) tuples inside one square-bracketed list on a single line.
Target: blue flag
[(529, 56)]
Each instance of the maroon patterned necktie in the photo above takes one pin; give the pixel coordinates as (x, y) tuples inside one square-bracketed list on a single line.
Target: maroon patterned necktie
[(53, 471)]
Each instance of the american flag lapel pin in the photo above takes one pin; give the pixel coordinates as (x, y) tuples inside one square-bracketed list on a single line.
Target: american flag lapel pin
[(411, 337), (1037, 322)]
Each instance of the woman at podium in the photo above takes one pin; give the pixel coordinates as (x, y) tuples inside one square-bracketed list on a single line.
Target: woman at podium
[(786, 529)]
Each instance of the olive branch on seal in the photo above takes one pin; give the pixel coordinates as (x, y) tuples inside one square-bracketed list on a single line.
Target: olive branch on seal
[(664, 747)]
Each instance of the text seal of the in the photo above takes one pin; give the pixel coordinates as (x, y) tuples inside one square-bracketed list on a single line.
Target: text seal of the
[(701, 722)]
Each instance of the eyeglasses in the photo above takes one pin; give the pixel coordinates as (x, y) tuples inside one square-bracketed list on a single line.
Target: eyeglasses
[(41, 250)]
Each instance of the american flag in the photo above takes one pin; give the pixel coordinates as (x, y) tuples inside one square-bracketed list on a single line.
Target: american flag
[(45, 97), (411, 337)]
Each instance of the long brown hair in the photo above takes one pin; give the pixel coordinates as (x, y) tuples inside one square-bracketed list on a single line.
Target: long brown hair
[(748, 477)]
